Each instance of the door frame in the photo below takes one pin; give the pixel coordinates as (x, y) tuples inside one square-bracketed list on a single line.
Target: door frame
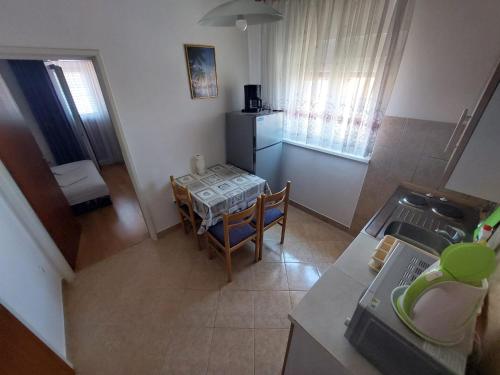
[(40, 53)]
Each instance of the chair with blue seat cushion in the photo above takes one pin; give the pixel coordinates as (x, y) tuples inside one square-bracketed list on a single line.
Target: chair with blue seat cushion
[(236, 235), (272, 214), (273, 210), (184, 204), (233, 232)]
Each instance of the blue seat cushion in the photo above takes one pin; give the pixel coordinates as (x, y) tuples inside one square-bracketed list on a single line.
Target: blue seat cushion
[(270, 215), (236, 235)]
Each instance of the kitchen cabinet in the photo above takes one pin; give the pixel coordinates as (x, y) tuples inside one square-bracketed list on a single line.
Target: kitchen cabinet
[(473, 168)]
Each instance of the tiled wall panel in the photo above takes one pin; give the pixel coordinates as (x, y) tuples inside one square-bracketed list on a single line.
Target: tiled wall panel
[(406, 150)]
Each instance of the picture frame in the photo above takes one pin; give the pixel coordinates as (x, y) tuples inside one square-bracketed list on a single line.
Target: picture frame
[(202, 71)]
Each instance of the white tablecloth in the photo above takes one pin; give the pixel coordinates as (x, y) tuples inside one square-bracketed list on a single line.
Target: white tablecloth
[(224, 188)]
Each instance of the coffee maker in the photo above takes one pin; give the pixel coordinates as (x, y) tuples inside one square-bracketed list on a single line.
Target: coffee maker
[(253, 102)]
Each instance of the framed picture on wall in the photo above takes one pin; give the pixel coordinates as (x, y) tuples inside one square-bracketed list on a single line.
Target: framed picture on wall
[(202, 71)]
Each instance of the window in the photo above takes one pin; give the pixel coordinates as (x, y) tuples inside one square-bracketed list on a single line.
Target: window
[(330, 66), (84, 100)]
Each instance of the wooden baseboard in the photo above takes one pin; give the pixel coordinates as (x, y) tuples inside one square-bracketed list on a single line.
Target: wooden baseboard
[(318, 215), (169, 230)]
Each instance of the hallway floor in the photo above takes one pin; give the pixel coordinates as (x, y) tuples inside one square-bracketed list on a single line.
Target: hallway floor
[(108, 230), (164, 308)]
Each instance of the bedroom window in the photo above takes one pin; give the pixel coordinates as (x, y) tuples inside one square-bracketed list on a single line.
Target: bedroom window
[(84, 100)]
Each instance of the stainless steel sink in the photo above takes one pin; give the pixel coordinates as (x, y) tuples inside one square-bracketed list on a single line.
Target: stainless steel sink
[(437, 230), (427, 240)]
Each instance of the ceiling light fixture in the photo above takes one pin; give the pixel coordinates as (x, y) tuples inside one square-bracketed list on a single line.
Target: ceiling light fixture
[(241, 23), (241, 13)]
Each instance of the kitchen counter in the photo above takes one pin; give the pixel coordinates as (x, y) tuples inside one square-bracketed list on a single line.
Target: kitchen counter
[(317, 342)]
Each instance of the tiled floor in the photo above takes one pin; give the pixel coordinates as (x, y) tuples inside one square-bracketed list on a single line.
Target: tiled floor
[(164, 308)]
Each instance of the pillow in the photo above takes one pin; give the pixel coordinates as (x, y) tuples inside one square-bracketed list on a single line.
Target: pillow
[(64, 168), (71, 177)]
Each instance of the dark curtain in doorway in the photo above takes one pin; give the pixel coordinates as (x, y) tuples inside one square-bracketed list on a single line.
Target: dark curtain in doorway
[(36, 85)]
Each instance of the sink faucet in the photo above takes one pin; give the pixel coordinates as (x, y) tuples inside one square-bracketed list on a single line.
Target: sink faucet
[(453, 234)]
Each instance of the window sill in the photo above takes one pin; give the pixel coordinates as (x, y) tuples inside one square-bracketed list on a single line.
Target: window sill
[(327, 151)]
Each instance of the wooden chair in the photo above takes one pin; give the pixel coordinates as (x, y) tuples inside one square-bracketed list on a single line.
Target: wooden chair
[(184, 204), (270, 214), (233, 232)]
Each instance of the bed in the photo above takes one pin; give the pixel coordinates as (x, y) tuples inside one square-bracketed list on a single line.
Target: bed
[(82, 185)]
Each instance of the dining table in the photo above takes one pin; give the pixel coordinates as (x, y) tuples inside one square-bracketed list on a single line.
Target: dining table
[(223, 188)]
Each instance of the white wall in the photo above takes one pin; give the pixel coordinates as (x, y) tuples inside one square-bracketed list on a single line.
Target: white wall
[(327, 184), (141, 43), (452, 48), (30, 286)]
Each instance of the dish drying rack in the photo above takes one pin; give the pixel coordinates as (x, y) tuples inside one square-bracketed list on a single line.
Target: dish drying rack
[(383, 249)]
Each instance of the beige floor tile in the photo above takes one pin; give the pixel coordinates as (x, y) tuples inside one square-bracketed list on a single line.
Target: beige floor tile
[(323, 267), (151, 309), (296, 297), (272, 251), (188, 351), (243, 261), (111, 349), (164, 267), (207, 274), (93, 296), (270, 276), (243, 279), (273, 234), (150, 341), (157, 275), (294, 232), (197, 309), (270, 348), (235, 309), (326, 251), (297, 215), (297, 252), (321, 231), (272, 309), (93, 349), (148, 304), (244, 256), (232, 352), (301, 276), (342, 235), (87, 307)]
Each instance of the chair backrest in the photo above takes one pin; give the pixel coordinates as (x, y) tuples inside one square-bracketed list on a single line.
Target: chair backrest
[(181, 194), (277, 199), (241, 218)]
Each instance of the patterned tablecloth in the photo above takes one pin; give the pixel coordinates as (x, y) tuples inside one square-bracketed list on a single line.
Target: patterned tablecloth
[(224, 188)]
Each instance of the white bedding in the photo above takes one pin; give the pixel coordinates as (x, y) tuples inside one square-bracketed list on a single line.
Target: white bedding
[(80, 181)]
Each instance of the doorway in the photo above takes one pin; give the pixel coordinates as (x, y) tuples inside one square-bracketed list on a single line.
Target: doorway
[(86, 158)]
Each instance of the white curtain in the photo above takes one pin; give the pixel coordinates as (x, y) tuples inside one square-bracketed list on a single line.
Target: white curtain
[(87, 95), (330, 65)]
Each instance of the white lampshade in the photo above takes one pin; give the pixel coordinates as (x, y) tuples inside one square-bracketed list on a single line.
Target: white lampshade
[(253, 12)]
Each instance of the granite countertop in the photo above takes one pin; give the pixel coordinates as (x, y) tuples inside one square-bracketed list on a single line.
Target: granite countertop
[(324, 309)]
